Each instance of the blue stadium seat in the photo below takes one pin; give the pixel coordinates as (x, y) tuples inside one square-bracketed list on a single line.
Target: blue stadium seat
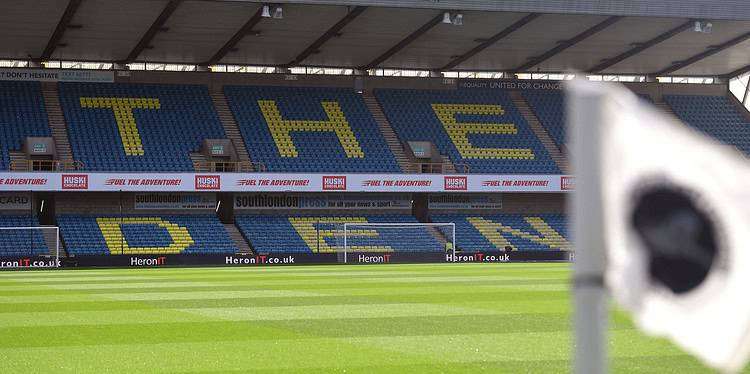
[(290, 129), (715, 116), (502, 143), (549, 108), (138, 127), (22, 114), (486, 233), (313, 234), (21, 242), (135, 234)]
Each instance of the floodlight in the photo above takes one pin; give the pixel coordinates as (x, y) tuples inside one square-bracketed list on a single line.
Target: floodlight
[(447, 17), (278, 13), (458, 19), (266, 13)]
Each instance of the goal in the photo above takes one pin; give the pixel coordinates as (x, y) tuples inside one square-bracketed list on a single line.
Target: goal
[(397, 237), (32, 241)]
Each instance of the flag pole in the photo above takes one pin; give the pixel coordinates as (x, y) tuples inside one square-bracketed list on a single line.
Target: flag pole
[(586, 114)]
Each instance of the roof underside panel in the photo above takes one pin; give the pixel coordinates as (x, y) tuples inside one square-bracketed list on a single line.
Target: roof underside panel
[(680, 47), (109, 30), (445, 41), (725, 61), (281, 40), (371, 34), (26, 26), (539, 36), (196, 30), (610, 42)]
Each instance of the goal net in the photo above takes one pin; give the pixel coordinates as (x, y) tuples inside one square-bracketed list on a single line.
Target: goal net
[(31, 241), (397, 237)]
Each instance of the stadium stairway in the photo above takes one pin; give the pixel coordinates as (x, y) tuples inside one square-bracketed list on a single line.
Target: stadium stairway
[(448, 167), (544, 137), (49, 239), (231, 129), (238, 239), (439, 236), (666, 109), (56, 121), (406, 163)]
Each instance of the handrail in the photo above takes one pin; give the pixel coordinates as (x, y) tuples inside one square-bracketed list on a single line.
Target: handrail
[(439, 167), (46, 165), (231, 166)]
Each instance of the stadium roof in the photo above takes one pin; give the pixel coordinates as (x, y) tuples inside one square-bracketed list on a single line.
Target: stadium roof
[(607, 37)]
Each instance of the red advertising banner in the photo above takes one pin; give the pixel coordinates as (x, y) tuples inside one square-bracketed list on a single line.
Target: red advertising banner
[(283, 182)]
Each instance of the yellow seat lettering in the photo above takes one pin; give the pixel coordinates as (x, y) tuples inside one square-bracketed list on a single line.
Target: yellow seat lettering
[(122, 108), (459, 131), (496, 233), (281, 129), (315, 238), (111, 229)]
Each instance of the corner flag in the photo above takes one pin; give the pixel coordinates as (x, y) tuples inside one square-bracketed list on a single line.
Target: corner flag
[(674, 207)]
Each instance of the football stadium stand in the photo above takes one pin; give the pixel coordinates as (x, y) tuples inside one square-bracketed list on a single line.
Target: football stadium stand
[(715, 116), (137, 234), (305, 129), (321, 234), (21, 242), (479, 128), (138, 127), (22, 114), (549, 106), (499, 232)]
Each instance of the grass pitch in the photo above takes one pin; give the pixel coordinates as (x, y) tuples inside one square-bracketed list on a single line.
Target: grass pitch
[(380, 318)]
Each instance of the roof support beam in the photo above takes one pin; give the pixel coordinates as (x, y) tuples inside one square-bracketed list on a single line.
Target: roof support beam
[(567, 44), (404, 42), (490, 41), (151, 32), (331, 32), (710, 51), (736, 73), (640, 47), (241, 33), (62, 25)]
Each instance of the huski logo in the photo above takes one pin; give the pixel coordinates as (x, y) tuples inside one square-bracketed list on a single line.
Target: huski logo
[(567, 183), (456, 184), (75, 181), (334, 182), (207, 182)]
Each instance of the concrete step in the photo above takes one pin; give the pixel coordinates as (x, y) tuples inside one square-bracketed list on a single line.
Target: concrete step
[(394, 143), (448, 167), (438, 236), (231, 129), (56, 121), (541, 133), (238, 239), (665, 108), (51, 239)]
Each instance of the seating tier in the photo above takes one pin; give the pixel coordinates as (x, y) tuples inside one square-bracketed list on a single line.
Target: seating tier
[(113, 234), (309, 129), (138, 127)]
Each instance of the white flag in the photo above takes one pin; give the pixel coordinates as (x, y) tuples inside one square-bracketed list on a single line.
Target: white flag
[(676, 218)]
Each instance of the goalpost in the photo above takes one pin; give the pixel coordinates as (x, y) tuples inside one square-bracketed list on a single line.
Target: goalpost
[(416, 237), (43, 241)]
